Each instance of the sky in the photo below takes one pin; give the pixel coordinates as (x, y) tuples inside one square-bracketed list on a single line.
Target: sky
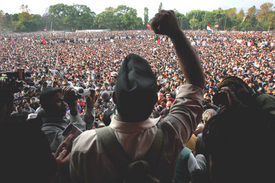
[(182, 6)]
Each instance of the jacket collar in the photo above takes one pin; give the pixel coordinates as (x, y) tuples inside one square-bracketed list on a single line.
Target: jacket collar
[(131, 127)]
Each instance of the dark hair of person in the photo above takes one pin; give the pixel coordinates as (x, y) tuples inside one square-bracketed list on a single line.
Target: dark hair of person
[(47, 94), (232, 138), (25, 155), (236, 81)]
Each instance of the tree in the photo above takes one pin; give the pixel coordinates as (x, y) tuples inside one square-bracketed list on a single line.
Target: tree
[(146, 17), (220, 17), (272, 20), (208, 18), (5, 21), (251, 20), (71, 17), (46, 20), (25, 8), (160, 7), (107, 19), (128, 17), (265, 11), (239, 20), (194, 23), (2, 20), (24, 21), (183, 22), (232, 12), (196, 15), (85, 17), (265, 16)]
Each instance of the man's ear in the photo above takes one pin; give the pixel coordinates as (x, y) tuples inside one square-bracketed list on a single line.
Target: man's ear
[(114, 97)]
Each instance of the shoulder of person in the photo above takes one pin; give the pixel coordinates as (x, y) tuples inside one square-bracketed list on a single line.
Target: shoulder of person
[(264, 97), (85, 141)]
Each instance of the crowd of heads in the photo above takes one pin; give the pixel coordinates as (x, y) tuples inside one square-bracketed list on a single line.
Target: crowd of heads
[(92, 60)]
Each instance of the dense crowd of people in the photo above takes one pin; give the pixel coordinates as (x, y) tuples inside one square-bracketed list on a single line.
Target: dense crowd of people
[(92, 60)]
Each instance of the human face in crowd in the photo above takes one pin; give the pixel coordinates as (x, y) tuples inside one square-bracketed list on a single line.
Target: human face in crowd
[(20, 110), (163, 104), (26, 105), (160, 97), (58, 104), (32, 101)]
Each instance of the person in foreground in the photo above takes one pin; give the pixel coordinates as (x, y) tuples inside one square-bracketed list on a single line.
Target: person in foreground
[(240, 139), (134, 130)]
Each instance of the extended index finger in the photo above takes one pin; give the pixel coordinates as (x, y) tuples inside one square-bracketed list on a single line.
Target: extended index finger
[(68, 140)]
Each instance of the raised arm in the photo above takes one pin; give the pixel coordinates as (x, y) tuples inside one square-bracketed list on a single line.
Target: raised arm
[(166, 23)]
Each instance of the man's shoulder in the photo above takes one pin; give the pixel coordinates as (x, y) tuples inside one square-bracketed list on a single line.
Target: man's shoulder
[(85, 141), (52, 124), (264, 96)]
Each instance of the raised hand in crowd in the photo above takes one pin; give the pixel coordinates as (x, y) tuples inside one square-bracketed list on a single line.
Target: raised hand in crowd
[(165, 22)]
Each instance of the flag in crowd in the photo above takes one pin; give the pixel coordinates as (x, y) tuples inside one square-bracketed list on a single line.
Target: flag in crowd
[(209, 29), (44, 41), (57, 61), (149, 26), (12, 43)]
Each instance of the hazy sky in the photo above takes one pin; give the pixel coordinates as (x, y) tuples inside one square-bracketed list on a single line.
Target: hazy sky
[(183, 6)]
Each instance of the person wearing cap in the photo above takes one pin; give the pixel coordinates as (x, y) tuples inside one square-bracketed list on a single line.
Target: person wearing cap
[(269, 90), (135, 131), (169, 98)]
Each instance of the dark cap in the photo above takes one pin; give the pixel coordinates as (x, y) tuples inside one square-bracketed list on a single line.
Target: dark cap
[(136, 89)]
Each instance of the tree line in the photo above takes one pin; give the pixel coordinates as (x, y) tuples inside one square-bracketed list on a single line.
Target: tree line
[(79, 17)]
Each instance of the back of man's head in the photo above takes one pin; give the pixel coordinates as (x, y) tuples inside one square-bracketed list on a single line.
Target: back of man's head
[(136, 89), (46, 96), (236, 81)]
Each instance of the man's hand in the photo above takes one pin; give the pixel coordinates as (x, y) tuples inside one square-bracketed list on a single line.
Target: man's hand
[(69, 96), (165, 22), (90, 99), (232, 98), (60, 154)]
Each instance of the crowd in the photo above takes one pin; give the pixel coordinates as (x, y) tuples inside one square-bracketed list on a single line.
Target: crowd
[(92, 61)]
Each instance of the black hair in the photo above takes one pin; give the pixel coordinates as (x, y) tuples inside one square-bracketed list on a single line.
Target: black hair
[(231, 138), (26, 156), (47, 94), (155, 114), (234, 80)]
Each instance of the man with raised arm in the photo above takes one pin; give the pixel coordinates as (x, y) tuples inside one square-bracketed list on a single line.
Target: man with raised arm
[(135, 96)]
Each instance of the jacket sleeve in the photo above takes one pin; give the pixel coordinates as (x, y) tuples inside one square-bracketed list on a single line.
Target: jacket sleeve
[(185, 113), (89, 117), (77, 121)]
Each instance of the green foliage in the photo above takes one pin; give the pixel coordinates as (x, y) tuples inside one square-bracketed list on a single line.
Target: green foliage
[(121, 18), (184, 24), (71, 17), (146, 17), (76, 17), (160, 7)]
